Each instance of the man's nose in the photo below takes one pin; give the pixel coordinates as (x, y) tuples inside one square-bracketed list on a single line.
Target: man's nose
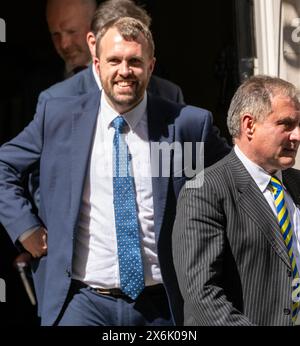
[(295, 135), (125, 69), (65, 41)]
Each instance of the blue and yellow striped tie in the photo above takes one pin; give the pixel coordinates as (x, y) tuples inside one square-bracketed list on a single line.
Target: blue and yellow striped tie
[(287, 233)]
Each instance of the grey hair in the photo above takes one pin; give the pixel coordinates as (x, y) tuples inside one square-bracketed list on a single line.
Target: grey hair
[(254, 96), (129, 28)]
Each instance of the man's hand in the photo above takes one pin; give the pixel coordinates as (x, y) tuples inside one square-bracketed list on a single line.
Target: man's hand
[(36, 243)]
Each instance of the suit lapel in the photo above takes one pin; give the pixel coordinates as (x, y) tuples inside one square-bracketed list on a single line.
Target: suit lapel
[(83, 126), (159, 132), (254, 204)]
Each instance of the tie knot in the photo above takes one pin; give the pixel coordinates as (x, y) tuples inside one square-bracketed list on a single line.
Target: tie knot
[(275, 184), (119, 124)]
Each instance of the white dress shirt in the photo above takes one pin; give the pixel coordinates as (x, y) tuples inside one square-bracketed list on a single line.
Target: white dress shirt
[(95, 259)]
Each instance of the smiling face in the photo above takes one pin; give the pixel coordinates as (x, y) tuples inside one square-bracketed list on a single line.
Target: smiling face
[(274, 141), (124, 67)]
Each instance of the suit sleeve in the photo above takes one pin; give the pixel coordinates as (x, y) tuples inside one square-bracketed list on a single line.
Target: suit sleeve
[(198, 251), (34, 176), (17, 158)]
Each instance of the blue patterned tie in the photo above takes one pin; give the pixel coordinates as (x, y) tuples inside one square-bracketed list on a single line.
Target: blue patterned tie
[(126, 221), (287, 233)]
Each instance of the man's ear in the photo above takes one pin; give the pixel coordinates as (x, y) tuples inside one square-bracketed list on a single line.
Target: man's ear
[(91, 41), (96, 63), (248, 125), (152, 64)]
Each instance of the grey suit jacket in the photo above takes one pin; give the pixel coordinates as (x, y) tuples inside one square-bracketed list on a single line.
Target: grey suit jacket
[(230, 258)]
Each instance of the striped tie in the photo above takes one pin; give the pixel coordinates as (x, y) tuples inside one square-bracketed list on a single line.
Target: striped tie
[(287, 233)]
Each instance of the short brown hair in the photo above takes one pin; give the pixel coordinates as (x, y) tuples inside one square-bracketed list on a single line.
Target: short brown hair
[(129, 28)]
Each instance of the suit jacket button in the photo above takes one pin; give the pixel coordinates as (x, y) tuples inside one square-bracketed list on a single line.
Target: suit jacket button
[(68, 273), (286, 311), (289, 273)]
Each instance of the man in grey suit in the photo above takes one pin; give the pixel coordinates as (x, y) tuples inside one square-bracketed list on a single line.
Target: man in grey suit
[(235, 244)]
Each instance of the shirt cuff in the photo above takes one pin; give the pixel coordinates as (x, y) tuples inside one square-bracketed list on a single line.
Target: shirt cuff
[(28, 233)]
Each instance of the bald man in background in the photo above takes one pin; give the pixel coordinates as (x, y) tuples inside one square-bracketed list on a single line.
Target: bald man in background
[(69, 22)]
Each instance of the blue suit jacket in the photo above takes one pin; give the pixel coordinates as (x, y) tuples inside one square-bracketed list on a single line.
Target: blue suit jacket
[(60, 137)]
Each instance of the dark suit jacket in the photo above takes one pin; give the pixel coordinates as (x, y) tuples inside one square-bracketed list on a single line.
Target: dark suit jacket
[(60, 137), (229, 254)]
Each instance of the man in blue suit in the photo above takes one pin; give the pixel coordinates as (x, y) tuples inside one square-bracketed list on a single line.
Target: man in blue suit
[(75, 238)]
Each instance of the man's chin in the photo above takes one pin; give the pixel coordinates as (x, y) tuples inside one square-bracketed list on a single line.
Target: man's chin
[(287, 162), (126, 99)]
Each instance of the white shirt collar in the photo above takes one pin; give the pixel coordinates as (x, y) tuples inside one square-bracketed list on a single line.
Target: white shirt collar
[(97, 79), (132, 117), (260, 176)]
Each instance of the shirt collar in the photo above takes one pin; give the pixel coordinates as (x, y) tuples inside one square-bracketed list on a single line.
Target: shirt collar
[(260, 176), (132, 117), (96, 76)]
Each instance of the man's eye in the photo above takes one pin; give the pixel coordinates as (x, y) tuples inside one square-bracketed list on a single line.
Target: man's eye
[(135, 62), (288, 125), (113, 61)]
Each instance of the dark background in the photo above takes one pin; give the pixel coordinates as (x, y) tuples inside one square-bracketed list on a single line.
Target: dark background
[(195, 47)]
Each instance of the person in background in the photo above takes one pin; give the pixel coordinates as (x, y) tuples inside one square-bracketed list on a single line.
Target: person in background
[(236, 238), (69, 22)]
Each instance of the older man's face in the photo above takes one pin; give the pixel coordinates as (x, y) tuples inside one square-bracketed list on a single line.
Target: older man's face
[(124, 68), (68, 27), (276, 139)]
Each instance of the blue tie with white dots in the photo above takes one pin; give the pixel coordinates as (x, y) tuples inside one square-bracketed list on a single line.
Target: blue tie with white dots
[(126, 221)]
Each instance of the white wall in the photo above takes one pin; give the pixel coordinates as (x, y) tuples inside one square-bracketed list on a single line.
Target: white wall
[(267, 33), (290, 47)]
